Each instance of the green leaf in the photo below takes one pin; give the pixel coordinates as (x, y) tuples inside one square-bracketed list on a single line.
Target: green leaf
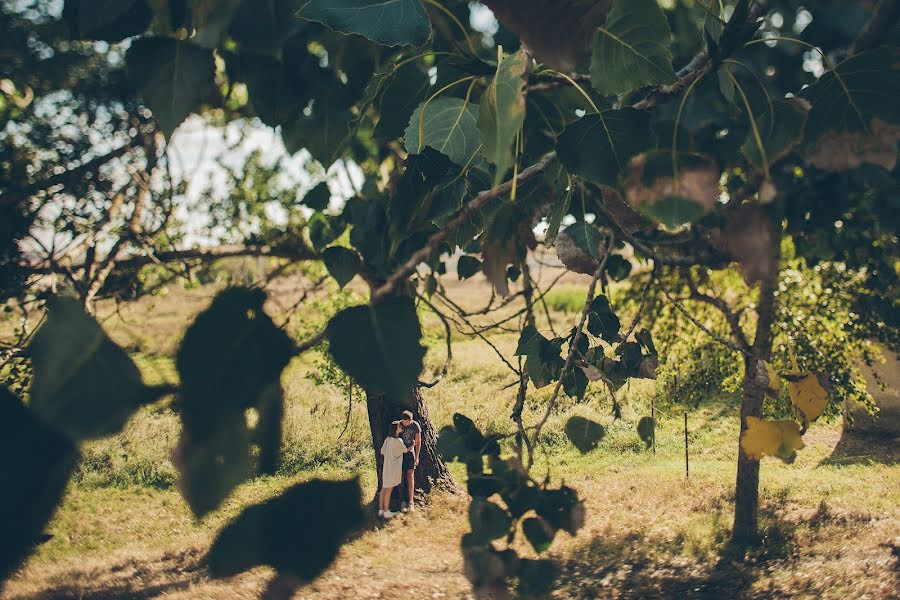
[(545, 366), (855, 118), (107, 20), (502, 113), (539, 533), (646, 428), (584, 434), (580, 247), (318, 197), (402, 94), (324, 229), (654, 187), (231, 357), (560, 210), (861, 89), (277, 91), (174, 77), (298, 533), (779, 136), (264, 27), (379, 346), (84, 384), (211, 20), (320, 134), (386, 22), (530, 341), (631, 49), (488, 520), (37, 461), (575, 382), (602, 321), (467, 266), (342, 263), (599, 146), (618, 268), (448, 126)]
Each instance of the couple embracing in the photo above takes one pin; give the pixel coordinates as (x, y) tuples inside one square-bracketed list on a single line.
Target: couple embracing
[(400, 450)]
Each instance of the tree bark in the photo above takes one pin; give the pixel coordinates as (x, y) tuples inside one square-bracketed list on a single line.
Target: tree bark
[(432, 472), (746, 499)]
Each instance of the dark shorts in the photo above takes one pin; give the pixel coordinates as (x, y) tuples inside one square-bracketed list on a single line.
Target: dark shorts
[(409, 463)]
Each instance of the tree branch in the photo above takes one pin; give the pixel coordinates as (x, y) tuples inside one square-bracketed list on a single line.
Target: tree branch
[(731, 317), (425, 253), (701, 326), (880, 24), (60, 178), (573, 344), (201, 254)]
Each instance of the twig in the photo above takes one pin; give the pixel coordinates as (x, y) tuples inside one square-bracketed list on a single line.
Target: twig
[(702, 327), (436, 239), (573, 344), (449, 336), (637, 315), (731, 317), (880, 24), (475, 331)]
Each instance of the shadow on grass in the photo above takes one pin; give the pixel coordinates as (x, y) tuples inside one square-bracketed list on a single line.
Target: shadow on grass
[(132, 579), (639, 566), (860, 449)]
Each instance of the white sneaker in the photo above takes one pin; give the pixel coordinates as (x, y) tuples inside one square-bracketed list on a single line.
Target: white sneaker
[(388, 515), (380, 514), (411, 507)]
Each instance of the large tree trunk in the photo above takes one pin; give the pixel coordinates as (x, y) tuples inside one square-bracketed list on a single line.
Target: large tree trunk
[(746, 499), (431, 472)]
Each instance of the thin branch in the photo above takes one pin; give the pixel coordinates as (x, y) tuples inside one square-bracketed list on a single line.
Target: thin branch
[(436, 239), (474, 330), (701, 326), (573, 344), (61, 178), (883, 19), (644, 295), (731, 317), (201, 254), (449, 336)]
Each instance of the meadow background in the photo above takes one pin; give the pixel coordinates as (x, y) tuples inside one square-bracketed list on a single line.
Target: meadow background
[(831, 519)]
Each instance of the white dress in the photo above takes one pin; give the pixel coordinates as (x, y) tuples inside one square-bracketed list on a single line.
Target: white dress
[(392, 469)]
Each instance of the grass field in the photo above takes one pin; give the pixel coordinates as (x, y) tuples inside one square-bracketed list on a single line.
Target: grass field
[(831, 520)]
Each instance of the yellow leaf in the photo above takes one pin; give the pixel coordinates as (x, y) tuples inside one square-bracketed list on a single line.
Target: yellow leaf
[(774, 379), (808, 396), (781, 439)]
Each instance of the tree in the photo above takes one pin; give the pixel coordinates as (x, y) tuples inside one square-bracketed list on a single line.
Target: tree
[(577, 116)]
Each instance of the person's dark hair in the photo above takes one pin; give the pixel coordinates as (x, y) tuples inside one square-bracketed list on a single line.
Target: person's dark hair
[(407, 414), (392, 429)]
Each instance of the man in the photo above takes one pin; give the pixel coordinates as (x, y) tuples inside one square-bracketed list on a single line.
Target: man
[(411, 434)]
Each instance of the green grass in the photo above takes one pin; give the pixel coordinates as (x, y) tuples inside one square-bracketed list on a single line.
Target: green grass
[(829, 519)]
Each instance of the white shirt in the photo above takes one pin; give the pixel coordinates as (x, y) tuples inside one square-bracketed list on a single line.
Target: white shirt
[(392, 469)]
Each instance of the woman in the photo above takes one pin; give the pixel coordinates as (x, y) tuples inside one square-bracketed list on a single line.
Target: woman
[(392, 450)]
